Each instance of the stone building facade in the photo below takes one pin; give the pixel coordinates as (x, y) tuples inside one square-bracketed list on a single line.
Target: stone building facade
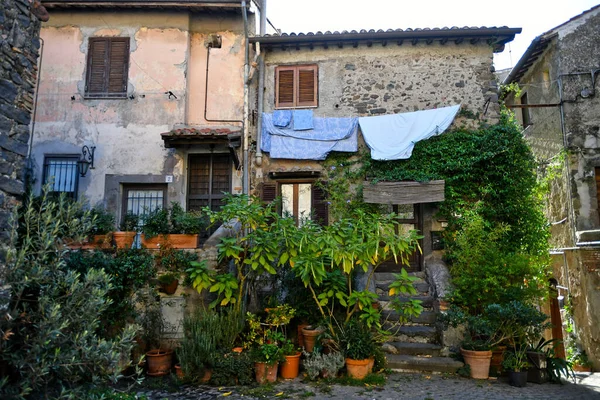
[(19, 50), (558, 108)]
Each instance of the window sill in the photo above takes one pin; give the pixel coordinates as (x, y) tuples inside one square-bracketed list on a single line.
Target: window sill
[(119, 96), (295, 108)]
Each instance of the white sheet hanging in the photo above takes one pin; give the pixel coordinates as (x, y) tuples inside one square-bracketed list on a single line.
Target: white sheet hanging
[(393, 137)]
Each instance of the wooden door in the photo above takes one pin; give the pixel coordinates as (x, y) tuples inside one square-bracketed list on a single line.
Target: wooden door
[(410, 217)]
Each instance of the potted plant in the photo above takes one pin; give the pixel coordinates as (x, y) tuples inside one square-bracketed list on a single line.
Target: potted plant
[(127, 231), (266, 361), (310, 333), (169, 282), (516, 363), (159, 360), (175, 226), (198, 349), (326, 365), (102, 227), (358, 345), (291, 366)]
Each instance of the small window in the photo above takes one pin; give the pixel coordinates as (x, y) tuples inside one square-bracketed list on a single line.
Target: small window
[(107, 67), (143, 199), (299, 200), (61, 173), (525, 111), (296, 86)]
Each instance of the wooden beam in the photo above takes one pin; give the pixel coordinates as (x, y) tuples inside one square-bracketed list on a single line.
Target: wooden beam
[(533, 105), (403, 192)]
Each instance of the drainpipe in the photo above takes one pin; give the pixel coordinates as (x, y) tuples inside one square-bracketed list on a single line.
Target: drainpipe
[(245, 186), (29, 170), (261, 84)]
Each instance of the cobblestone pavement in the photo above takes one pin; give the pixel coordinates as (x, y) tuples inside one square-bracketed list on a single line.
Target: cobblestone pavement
[(398, 386)]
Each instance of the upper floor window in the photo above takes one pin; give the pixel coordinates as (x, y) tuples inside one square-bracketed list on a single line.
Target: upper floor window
[(61, 173), (525, 111), (107, 67), (296, 86), (300, 200)]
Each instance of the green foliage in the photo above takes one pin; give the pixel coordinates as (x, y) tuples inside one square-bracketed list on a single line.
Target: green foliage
[(191, 222), (103, 221), (150, 318), (232, 368), (198, 349), (156, 222), (200, 277), (356, 340), (50, 313), (516, 360), (130, 222), (169, 259), (226, 287), (167, 278), (316, 362)]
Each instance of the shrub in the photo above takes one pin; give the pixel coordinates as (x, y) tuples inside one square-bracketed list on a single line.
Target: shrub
[(50, 314), (103, 221)]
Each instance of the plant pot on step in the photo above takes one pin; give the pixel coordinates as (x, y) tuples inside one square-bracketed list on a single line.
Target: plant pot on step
[(159, 362), (479, 362), (124, 240), (171, 287), (537, 373), (290, 367), (310, 336), (357, 369), (517, 378), (265, 373)]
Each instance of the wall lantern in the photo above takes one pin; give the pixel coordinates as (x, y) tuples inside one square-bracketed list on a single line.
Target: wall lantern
[(87, 160)]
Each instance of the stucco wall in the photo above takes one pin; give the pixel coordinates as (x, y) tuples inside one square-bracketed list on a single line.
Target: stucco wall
[(167, 53)]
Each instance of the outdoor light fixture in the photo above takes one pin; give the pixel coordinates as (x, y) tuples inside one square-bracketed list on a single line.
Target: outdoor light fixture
[(87, 160)]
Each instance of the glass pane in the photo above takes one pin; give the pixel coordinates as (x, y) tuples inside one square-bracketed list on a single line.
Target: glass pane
[(63, 174), (287, 200), (304, 202), (144, 201), (406, 211)]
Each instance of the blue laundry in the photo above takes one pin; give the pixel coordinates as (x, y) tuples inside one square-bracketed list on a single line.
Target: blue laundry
[(282, 118), (303, 120)]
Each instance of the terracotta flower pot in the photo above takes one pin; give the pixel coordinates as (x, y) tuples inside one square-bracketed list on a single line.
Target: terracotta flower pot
[(291, 367), (310, 337), (170, 288), (179, 371), (237, 349), (371, 364), (496, 362), (176, 240), (159, 362), (581, 368), (357, 369), (265, 373), (479, 362), (207, 375), (301, 335), (124, 240)]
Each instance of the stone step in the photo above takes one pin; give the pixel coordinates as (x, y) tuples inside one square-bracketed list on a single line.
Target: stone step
[(426, 300), (417, 349), (427, 317), (383, 286), (410, 363), (412, 333), (389, 276)]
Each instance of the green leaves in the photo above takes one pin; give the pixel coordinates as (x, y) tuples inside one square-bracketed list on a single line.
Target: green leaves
[(225, 285), (201, 277)]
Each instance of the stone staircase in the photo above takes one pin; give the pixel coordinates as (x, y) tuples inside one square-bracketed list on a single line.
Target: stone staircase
[(414, 346)]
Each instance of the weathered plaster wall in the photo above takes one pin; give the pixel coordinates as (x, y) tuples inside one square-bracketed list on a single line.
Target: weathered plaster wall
[(168, 53), (389, 79), (19, 47)]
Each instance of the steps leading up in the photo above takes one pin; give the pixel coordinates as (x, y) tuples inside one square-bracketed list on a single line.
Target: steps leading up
[(401, 362)]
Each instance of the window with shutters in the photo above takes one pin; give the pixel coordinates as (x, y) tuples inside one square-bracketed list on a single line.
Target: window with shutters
[(296, 86), (60, 172), (107, 67), (301, 200)]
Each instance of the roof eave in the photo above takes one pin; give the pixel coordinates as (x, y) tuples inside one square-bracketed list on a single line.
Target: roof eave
[(140, 4), (498, 36), (537, 47)]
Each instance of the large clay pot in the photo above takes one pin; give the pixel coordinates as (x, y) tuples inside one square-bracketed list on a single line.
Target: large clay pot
[(124, 240), (265, 373), (300, 334), (291, 367), (179, 371), (357, 369), (207, 375), (310, 336), (159, 362), (371, 364), (479, 362), (496, 362), (517, 379), (170, 288), (176, 240)]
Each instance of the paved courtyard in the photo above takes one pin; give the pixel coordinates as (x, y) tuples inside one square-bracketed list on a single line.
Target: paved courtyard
[(397, 386)]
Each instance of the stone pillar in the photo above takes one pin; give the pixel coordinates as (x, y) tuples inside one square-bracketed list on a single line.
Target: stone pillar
[(19, 51)]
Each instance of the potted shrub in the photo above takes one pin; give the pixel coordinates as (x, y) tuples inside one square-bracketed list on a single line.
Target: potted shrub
[(310, 334), (291, 366), (169, 282), (326, 365), (174, 226), (266, 358), (515, 362), (198, 349), (127, 231), (356, 341), (159, 360), (102, 227)]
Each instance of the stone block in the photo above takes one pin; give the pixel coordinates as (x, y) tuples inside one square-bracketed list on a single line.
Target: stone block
[(17, 114), (11, 186), (8, 90), (13, 145), (5, 125)]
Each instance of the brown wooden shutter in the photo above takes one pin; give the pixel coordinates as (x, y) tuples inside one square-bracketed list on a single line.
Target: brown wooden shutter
[(307, 86), (320, 207), (284, 87), (97, 62), (118, 65), (268, 192)]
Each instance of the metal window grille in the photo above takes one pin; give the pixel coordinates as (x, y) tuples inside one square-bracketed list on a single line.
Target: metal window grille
[(61, 173), (144, 201)]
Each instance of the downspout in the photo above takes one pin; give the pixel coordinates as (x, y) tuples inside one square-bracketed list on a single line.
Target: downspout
[(261, 85), (245, 187), (29, 170)]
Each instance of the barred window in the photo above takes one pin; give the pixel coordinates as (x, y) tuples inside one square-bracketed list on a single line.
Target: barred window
[(143, 199), (61, 173)]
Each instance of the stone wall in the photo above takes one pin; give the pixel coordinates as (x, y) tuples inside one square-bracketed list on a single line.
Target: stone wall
[(19, 48)]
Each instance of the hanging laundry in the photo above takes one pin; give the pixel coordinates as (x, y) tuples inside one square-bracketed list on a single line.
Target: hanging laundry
[(393, 137), (282, 118), (303, 120)]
